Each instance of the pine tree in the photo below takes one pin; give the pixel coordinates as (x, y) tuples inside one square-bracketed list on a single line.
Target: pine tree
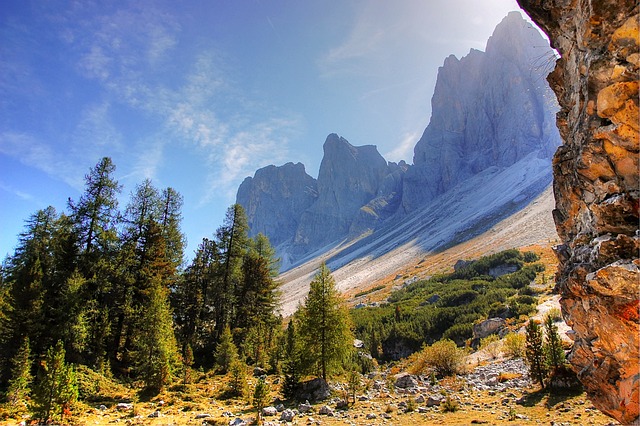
[(292, 360), (232, 244), (324, 326), (94, 219), (553, 344), (155, 350), (20, 382), (260, 398), (535, 353), (226, 352), (56, 386)]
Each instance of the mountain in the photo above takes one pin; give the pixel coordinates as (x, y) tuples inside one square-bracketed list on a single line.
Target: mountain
[(489, 109), (485, 155)]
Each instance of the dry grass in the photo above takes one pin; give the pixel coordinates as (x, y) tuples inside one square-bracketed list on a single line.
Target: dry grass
[(179, 405)]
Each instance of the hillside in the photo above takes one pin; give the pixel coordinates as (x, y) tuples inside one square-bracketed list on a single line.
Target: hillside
[(532, 225)]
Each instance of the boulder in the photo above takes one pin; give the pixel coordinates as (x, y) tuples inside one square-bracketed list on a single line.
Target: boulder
[(406, 381), (314, 390), (269, 411), (287, 415)]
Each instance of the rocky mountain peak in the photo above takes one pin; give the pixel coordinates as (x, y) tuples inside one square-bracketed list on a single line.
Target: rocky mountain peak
[(489, 109)]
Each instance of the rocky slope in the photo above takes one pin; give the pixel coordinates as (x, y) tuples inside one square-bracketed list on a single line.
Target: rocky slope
[(490, 109), (596, 188), (485, 154)]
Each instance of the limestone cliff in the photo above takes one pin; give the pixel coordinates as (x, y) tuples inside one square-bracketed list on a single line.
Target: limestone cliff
[(489, 109), (275, 198), (596, 189)]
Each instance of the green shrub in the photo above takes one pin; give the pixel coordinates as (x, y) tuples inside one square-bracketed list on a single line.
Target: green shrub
[(514, 345), (444, 357)]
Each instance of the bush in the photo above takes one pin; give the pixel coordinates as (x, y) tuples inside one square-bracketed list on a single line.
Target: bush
[(444, 357), (514, 345), (449, 405), (491, 345)]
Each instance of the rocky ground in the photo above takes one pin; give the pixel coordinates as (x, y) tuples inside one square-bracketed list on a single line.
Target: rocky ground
[(494, 392)]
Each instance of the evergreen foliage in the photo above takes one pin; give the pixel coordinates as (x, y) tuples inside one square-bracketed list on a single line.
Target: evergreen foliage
[(324, 325), (112, 288), (535, 353), (446, 306), (553, 344), (260, 398), (226, 352), (56, 387), (20, 382)]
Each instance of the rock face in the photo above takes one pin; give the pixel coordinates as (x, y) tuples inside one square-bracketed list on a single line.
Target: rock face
[(596, 189), (349, 178), (275, 198), (490, 109), (492, 127)]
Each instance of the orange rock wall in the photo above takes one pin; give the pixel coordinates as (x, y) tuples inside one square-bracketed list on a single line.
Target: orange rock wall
[(597, 188)]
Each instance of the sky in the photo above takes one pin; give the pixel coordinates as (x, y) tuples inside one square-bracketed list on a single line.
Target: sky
[(198, 94)]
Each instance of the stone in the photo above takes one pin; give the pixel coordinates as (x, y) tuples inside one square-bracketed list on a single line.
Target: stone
[(269, 411), (473, 104), (305, 407), (202, 416), (122, 406), (598, 280), (314, 390), (406, 381), (434, 400), (238, 422), (287, 415), (154, 414), (325, 410)]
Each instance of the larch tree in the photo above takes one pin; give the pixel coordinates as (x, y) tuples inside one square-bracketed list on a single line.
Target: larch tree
[(95, 218), (324, 325), (534, 352), (232, 243)]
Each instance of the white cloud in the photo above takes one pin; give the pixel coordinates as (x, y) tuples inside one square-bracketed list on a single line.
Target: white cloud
[(33, 152), (404, 149)]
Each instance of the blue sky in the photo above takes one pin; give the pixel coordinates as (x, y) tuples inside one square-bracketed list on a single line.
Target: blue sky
[(197, 95)]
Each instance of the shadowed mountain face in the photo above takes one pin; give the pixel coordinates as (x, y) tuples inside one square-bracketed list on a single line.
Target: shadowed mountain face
[(493, 114)]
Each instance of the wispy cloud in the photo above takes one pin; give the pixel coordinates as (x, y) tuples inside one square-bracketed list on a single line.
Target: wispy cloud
[(404, 148), (35, 153)]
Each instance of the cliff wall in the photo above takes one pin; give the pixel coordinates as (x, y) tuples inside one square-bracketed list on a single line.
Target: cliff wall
[(596, 189)]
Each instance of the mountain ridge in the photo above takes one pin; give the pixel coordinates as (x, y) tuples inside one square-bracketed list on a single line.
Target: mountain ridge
[(476, 163)]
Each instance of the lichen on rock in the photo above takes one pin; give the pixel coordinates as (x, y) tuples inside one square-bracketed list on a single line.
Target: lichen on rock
[(597, 188)]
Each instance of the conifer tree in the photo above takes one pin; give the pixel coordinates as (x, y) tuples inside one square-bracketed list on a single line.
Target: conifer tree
[(56, 386), (535, 353), (226, 352), (232, 243), (155, 345), (260, 398), (95, 218), (20, 382), (324, 326), (553, 344), (292, 360)]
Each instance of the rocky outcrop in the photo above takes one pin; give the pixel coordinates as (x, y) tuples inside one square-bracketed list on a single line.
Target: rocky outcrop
[(489, 109), (275, 198), (484, 156), (597, 189), (348, 179)]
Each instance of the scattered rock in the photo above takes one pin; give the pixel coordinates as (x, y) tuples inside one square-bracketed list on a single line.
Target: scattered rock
[(287, 415), (314, 390), (155, 414), (269, 411), (406, 381), (122, 406), (325, 410), (202, 416)]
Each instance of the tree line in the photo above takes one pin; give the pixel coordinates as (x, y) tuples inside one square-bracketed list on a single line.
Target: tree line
[(108, 288)]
